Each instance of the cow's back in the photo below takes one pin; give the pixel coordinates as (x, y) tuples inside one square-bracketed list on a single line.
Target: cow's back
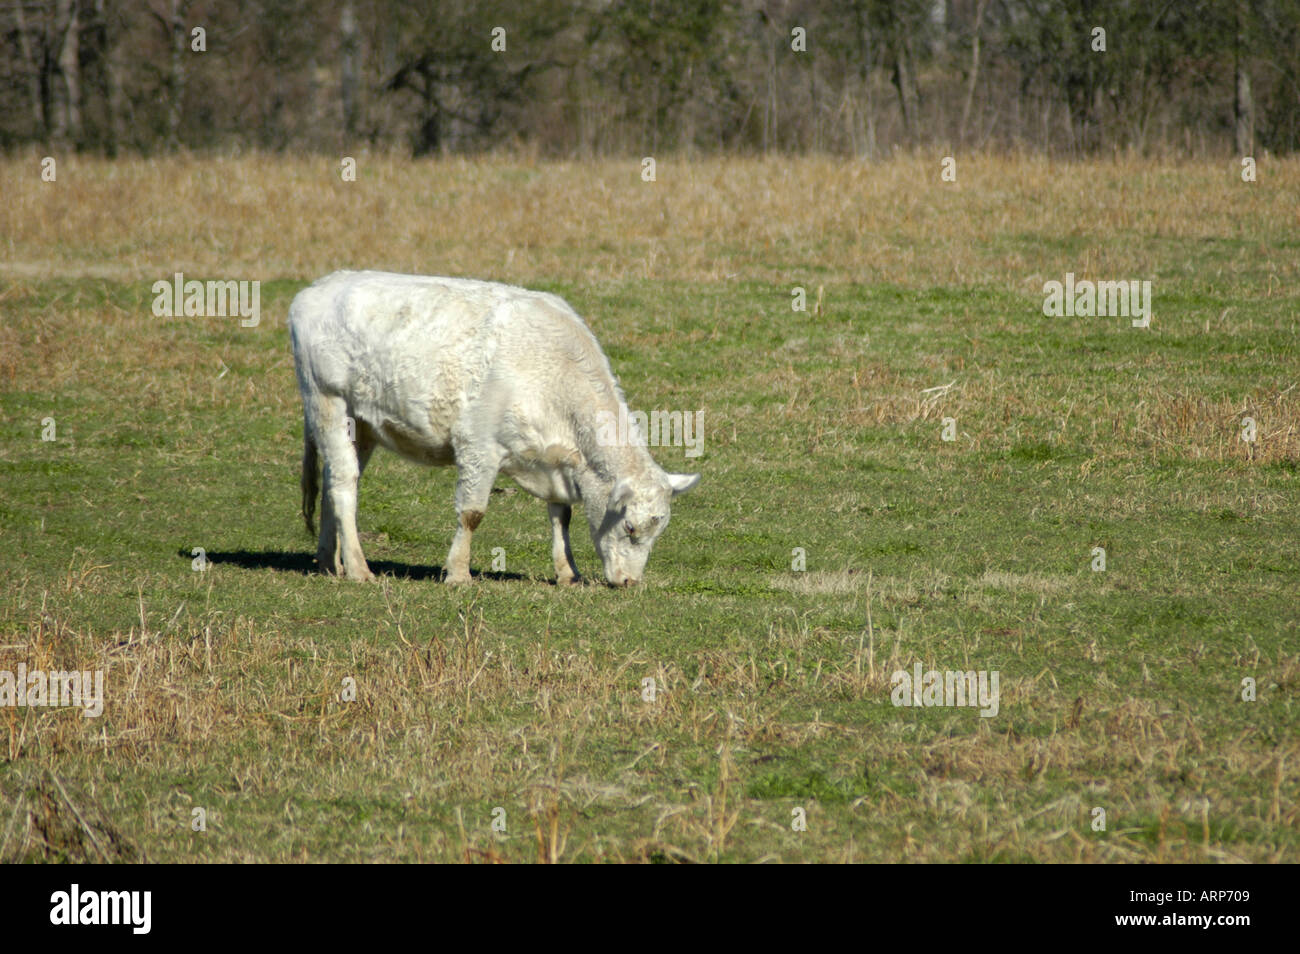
[(416, 357)]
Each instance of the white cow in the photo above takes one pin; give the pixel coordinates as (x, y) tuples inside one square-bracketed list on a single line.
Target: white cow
[(485, 376)]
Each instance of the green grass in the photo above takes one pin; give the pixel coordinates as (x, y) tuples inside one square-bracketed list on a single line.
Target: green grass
[(1119, 689)]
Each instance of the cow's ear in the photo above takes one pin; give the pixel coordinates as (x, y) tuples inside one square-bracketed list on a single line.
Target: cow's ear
[(682, 482), (621, 495)]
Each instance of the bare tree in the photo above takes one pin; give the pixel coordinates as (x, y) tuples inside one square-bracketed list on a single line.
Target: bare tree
[(349, 44), (900, 41), (974, 70), (172, 21), (114, 97), (1243, 106), (67, 97), (31, 45)]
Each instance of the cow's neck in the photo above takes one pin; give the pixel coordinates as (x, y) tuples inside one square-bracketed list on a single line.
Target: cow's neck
[(606, 463)]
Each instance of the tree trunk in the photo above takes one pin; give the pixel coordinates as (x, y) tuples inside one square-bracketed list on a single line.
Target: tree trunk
[(177, 80), (904, 74), (866, 64), (770, 109), (905, 81), (1243, 106), (348, 50), (113, 96), (974, 72), (67, 115), (33, 61)]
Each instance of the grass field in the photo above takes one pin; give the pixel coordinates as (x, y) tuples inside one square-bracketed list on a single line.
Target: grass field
[(1121, 689)]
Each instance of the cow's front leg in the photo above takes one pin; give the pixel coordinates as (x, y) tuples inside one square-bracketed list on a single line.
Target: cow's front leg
[(566, 571), (473, 487)]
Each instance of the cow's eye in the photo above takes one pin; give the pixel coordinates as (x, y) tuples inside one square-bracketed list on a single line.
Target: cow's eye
[(631, 530)]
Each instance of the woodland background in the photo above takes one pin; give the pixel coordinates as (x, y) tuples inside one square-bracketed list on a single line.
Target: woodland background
[(593, 77)]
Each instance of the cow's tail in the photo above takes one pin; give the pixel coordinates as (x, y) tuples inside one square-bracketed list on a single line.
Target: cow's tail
[(310, 480)]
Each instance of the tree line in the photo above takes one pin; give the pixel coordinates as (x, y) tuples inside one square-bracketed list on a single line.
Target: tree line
[(592, 77)]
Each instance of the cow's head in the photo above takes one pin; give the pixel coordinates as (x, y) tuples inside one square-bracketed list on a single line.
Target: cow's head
[(635, 514)]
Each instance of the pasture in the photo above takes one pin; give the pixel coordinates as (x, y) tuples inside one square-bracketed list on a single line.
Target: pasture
[(1120, 689)]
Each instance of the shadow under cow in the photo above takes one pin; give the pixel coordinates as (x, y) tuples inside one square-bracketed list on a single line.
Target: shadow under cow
[(295, 561)]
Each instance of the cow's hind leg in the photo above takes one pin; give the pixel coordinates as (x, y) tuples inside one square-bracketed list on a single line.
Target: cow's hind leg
[(561, 553), (366, 443), (475, 476), (339, 548)]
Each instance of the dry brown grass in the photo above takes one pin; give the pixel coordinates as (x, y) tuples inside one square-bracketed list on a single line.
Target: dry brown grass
[(707, 219), (181, 695)]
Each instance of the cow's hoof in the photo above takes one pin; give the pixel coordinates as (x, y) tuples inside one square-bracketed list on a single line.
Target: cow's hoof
[(361, 576), (459, 579), (568, 581)]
